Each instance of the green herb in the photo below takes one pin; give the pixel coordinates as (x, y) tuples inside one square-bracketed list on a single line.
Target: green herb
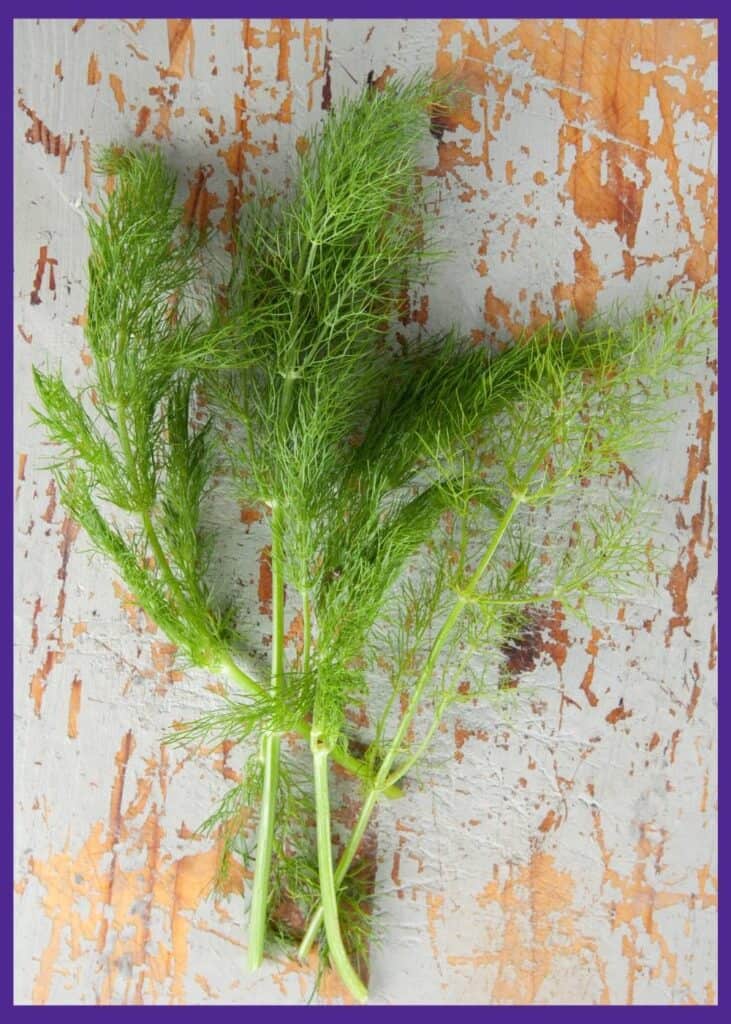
[(126, 440), (411, 491)]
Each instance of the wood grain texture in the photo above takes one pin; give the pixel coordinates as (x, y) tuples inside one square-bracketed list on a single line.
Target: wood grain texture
[(568, 854)]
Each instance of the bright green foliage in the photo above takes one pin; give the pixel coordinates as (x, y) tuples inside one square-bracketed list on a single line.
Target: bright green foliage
[(577, 402), (423, 502), (126, 441)]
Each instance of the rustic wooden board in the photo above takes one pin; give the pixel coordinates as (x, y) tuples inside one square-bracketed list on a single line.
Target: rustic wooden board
[(569, 854)]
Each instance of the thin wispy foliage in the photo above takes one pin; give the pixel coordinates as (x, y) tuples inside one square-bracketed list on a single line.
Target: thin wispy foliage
[(423, 502)]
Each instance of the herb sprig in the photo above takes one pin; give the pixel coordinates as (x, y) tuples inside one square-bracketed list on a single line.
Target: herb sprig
[(421, 501)]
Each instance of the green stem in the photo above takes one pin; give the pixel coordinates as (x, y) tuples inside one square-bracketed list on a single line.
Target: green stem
[(356, 837), (161, 560), (258, 914), (328, 879), (270, 755), (384, 716), (408, 764), (224, 662), (306, 632), (382, 778), (130, 462), (441, 638), (153, 540)]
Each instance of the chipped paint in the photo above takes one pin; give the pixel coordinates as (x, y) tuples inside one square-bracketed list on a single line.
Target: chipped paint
[(111, 910), (265, 581), (72, 728), (115, 84), (40, 134), (200, 202), (537, 906), (181, 47), (43, 263), (93, 71)]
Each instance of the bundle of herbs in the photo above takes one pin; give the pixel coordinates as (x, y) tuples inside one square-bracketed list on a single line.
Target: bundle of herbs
[(423, 498)]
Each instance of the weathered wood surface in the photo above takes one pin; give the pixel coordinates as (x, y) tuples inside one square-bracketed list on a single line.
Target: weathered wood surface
[(569, 856)]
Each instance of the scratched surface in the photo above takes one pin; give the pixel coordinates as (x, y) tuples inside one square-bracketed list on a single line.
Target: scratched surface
[(567, 852)]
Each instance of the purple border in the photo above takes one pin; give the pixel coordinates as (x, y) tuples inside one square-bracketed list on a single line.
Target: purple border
[(6, 513), (723, 489), (343, 9), (373, 9)]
